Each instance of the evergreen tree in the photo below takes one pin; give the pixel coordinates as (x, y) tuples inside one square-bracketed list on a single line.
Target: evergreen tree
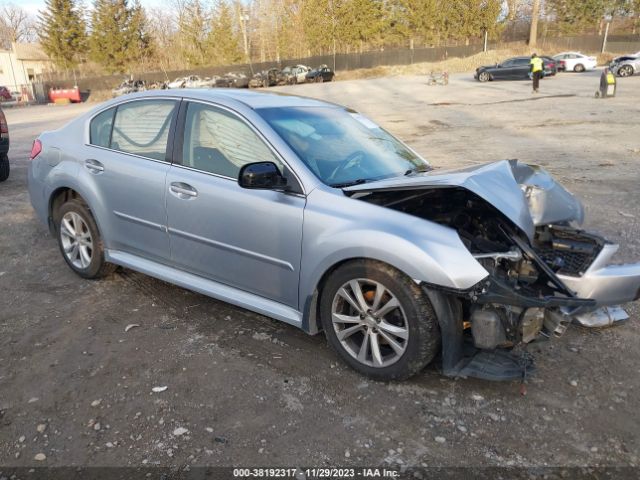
[(63, 33), (223, 40), (118, 38), (192, 32)]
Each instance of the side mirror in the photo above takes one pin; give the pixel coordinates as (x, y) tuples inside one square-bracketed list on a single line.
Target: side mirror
[(262, 175)]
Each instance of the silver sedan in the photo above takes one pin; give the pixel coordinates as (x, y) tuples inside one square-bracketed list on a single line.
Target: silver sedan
[(312, 214)]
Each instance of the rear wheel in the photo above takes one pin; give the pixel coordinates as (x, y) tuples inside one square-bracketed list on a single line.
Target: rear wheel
[(4, 167), (80, 241), (579, 68), (484, 77), (625, 71), (379, 320)]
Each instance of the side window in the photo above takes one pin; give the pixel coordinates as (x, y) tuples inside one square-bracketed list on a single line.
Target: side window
[(142, 128), (521, 61), (100, 128), (218, 142)]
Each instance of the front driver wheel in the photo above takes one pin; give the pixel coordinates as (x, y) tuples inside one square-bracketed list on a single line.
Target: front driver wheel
[(80, 241), (579, 68), (484, 77), (378, 320)]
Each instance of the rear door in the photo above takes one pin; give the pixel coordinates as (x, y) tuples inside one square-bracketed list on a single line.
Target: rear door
[(520, 68), (126, 164), (248, 239)]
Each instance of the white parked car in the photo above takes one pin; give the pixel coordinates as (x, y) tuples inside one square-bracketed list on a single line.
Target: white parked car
[(194, 81), (177, 83), (575, 62)]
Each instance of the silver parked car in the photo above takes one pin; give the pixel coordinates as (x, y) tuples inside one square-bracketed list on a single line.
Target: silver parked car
[(626, 65), (312, 214)]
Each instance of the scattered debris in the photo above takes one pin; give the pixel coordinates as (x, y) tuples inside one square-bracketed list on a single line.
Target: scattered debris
[(41, 428), (221, 440), (573, 383), (159, 389), (440, 439), (627, 215), (180, 431), (130, 326), (40, 457), (95, 403), (96, 426), (33, 400)]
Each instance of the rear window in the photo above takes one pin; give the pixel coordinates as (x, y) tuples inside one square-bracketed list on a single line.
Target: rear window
[(142, 128)]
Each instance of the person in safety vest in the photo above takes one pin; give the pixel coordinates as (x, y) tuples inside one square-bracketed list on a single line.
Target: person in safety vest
[(536, 66)]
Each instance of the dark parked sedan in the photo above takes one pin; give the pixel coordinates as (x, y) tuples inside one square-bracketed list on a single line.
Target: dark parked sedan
[(320, 74), (516, 68), (4, 147)]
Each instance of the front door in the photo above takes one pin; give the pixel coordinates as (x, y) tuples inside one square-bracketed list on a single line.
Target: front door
[(248, 239)]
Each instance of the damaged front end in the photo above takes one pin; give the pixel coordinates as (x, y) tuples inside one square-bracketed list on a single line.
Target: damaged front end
[(544, 272)]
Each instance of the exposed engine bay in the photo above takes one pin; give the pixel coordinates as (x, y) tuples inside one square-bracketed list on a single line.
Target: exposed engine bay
[(544, 272), (509, 308)]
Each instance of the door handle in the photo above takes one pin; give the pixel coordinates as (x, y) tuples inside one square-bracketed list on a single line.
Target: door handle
[(94, 166), (183, 190)]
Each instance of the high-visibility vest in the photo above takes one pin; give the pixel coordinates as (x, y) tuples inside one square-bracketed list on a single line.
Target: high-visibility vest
[(537, 64)]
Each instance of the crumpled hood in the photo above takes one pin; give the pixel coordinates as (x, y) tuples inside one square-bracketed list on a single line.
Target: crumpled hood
[(526, 194)]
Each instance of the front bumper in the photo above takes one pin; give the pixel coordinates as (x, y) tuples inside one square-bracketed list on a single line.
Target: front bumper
[(607, 284)]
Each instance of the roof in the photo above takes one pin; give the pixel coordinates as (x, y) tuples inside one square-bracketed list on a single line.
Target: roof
[(251, 98), (29, 51)]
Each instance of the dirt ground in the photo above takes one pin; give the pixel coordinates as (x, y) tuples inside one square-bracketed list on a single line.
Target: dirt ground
[(251, 391)]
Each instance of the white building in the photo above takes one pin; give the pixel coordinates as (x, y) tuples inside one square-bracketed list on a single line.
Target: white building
[(23, 65)]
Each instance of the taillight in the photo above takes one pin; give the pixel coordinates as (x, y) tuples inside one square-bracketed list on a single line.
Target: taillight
[(36, 149), (4, 128)]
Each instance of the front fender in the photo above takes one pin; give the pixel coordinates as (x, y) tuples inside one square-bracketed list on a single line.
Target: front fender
[(338, 228)]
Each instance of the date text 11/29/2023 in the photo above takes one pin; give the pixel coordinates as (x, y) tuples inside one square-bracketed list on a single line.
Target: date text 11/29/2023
[(315, 473)]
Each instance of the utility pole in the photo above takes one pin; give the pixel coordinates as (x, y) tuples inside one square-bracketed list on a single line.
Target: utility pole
[(243, 16), (533, 30), (607, 18)]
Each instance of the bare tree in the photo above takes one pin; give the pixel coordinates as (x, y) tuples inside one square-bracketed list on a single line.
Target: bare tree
[(16, 25), (533, 31)]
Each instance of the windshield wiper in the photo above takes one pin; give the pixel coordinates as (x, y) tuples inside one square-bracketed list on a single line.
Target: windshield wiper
[(420, 169), (359, 181)]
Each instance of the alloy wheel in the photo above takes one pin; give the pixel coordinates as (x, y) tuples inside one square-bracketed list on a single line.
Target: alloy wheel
[(77, 243), (369, 322), (626, 71)]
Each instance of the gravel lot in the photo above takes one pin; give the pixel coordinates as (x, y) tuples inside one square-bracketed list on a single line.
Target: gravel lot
[(248, 390)]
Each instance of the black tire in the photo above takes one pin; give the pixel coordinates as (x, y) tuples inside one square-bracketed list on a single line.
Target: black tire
[(578, 68), (98, 267), (319, 79), (5, 168), (423, 340), (484, 77), (625, 71)]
